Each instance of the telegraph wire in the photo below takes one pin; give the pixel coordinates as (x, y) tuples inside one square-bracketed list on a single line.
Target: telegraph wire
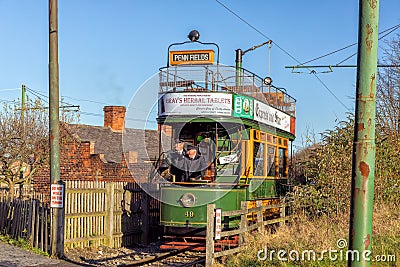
[(41, 96), (101, 115), (287, 53), (327, 88), (11, 89), (254, 28), (86, 100), (8, 101), (38, 94), (391, 29)]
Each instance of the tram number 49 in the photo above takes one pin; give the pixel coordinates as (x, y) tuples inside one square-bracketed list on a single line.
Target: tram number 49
[(189, 214)]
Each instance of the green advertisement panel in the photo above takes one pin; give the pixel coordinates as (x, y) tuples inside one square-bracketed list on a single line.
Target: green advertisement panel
[(243, 106)]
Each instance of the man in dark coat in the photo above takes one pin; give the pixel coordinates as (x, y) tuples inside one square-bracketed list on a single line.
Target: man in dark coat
[(176, 159), (195, 164)]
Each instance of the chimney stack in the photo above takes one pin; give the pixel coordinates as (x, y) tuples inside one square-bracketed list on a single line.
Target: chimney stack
[(114, 117)]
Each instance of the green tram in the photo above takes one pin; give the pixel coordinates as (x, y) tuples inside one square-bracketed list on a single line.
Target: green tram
[(242, 125)]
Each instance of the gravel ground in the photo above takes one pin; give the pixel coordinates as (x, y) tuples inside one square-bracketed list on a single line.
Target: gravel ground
[(105, 256), (12, 256)]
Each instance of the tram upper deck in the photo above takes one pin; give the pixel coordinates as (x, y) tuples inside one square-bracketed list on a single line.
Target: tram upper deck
[(218, 78)]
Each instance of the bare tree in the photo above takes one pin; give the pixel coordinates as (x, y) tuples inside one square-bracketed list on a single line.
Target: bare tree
[(23, 143), (388, 91)]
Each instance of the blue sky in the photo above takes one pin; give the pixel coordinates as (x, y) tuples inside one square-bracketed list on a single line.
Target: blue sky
[(108, 49)]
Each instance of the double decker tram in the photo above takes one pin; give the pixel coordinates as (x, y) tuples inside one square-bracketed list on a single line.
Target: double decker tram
[(239, 123)]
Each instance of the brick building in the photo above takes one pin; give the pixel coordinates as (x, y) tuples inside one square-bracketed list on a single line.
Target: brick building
[(103, 153)]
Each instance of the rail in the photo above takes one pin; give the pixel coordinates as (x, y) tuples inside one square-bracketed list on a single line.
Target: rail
[(258, 225), (218, 78)]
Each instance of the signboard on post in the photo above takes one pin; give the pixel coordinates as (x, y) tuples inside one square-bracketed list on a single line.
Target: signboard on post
[(218, 223), (191, 57), (57, 196)]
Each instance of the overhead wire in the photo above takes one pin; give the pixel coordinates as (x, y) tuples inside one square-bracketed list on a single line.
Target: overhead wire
[(85, 100), (391, 29), (37, 94), (40, 95), (129, 119), (283, 50), (9, 89), (254, 28)]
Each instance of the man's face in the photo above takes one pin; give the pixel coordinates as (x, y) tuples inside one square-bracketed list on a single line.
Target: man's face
[(192, 153), (179, 146)]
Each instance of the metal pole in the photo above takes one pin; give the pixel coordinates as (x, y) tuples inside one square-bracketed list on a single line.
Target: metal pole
[(362, 183), (23, 93), (239, 54), (57, 241)]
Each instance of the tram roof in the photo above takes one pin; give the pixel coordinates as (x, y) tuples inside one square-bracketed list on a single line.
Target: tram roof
[(224, 79)]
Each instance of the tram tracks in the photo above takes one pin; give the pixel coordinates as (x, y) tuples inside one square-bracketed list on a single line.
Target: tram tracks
[(179, 257)]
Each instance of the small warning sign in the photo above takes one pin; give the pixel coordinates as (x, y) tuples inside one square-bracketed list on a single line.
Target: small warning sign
[(218, 223), (57, 196)]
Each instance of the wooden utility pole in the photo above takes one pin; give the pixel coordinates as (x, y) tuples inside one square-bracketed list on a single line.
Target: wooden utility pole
[(363, 170), (57, 237)]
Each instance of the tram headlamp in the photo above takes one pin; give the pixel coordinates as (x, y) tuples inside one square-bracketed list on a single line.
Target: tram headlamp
[(188, 200), (194, 35)]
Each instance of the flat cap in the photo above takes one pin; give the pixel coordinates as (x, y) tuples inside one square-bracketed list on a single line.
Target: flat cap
[(178, 140), (191, 147)]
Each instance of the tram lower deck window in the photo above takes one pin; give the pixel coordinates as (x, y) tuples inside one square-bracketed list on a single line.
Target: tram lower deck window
[(258, 159)]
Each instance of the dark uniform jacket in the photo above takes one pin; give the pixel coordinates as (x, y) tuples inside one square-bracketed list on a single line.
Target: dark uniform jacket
[(195, 167), (177, 165)]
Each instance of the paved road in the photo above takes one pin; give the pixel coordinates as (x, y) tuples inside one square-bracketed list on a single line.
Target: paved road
[(12, 256)]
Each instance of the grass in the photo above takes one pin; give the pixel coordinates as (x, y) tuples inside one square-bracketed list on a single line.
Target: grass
[(22, 243), (319, 234)]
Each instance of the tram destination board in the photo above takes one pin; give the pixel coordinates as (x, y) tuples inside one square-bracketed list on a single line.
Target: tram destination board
[(191, 57)]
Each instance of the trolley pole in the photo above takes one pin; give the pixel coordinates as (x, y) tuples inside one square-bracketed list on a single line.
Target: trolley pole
[(57, 207), (239, 55), (363, 168)]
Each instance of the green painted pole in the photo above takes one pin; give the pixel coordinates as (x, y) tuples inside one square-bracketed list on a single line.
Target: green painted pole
[(363, 170), (57, 240)]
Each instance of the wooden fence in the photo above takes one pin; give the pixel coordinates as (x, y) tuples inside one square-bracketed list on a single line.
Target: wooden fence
[(245, 226), (114, 214), (27, 219), (108, 213)]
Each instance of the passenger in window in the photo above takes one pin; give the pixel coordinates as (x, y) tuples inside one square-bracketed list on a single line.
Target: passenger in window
[(195, 164), (176, 159)]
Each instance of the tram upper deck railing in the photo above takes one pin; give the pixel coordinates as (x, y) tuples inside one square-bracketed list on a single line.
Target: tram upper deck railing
[(217, 78)]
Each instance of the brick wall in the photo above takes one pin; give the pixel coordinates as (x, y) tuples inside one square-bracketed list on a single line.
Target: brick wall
[(77, 163)]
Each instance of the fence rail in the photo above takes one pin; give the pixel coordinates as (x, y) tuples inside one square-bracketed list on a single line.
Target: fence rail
[(245, 227)]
